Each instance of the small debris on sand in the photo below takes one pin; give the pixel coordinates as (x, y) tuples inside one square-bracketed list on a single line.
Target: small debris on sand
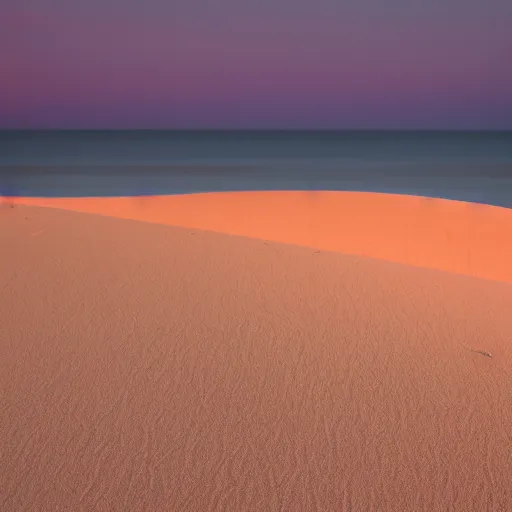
[(483, 352), (476, 351)]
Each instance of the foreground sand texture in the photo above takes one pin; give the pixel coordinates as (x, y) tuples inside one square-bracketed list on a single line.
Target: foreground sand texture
[(466, 238), (146, 367)]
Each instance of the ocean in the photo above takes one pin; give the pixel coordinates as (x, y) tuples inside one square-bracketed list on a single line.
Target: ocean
[(467, 166)]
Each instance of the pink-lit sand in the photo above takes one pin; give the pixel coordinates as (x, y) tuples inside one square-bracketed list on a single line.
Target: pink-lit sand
[(243, 360), (467, 238)]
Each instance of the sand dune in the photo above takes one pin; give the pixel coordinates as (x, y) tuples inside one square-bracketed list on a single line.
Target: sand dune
[(465, 238), (154, 368)]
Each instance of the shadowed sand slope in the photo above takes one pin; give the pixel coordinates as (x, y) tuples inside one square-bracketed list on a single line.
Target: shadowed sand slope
[(153, 368), (465, 238)]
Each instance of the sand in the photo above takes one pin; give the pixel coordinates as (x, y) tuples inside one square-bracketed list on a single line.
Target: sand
[(465, 238), (150, 367)]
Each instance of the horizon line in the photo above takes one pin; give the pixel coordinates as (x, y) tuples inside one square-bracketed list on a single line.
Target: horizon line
[(267, 130)]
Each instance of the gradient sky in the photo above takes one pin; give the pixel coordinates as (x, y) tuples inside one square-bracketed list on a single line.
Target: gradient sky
[(256, 64)]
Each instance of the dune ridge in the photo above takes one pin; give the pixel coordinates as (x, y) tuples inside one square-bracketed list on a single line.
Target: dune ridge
[(465, 238)]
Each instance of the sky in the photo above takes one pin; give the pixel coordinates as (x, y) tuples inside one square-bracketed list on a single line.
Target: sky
[(256, 64)]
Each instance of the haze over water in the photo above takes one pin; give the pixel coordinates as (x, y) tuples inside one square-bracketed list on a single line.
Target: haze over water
[(469, 166)]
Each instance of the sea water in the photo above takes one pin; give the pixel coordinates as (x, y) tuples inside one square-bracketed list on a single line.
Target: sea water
[(467, 166)]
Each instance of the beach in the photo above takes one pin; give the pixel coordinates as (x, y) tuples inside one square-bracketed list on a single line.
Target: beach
[(305, 351)]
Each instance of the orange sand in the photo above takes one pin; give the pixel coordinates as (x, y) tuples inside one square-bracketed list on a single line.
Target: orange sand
[(455, 236), (147, 367)]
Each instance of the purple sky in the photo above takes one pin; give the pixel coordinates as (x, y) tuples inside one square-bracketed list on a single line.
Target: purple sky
[(256, 64)]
